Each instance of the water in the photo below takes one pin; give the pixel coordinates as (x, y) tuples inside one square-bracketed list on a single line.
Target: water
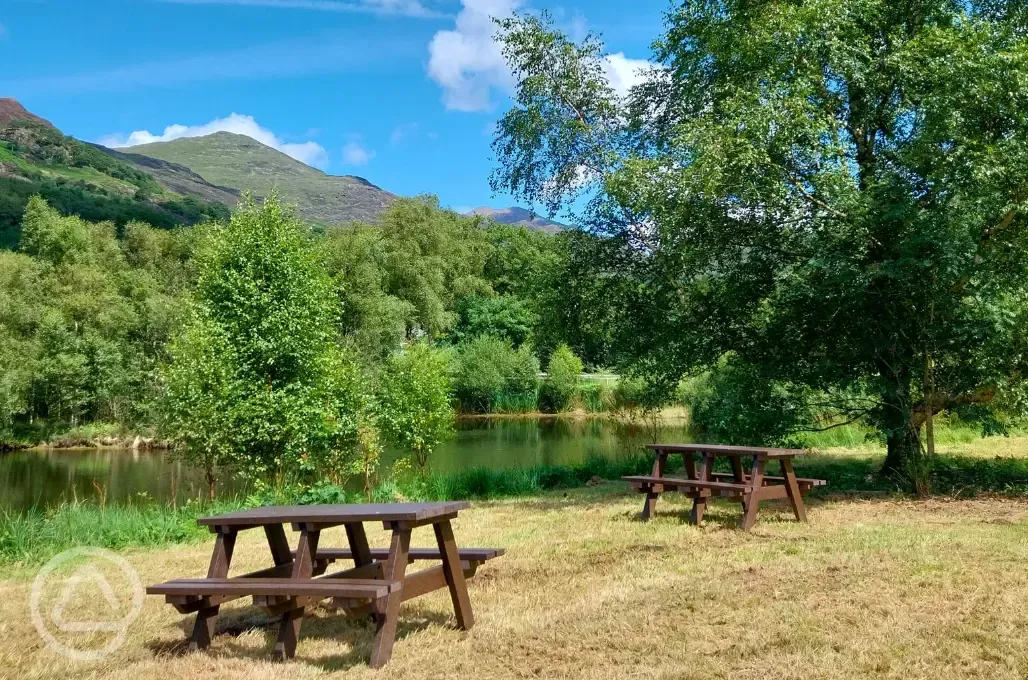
[(43, 478)]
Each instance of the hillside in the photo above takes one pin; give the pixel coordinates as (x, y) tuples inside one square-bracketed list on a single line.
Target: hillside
[(242, 163), (81, 179), (522, 217)]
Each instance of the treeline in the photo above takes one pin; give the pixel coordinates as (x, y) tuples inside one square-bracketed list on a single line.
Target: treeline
[(91, 314)]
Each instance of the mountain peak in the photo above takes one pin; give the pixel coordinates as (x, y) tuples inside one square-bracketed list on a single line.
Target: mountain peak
[(520, 217), (11, 109)]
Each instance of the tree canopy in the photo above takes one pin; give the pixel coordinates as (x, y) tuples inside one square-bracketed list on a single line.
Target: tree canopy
[(832, 192)]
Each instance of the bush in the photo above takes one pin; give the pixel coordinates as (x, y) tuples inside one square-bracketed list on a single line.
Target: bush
[(564, 374), (491, 376), (734, 404)]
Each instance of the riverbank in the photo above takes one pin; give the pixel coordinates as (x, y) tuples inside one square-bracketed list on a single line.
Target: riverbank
[(869, 587), (995, 466)]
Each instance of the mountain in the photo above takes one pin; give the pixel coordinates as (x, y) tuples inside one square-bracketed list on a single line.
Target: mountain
[(242, 163), (522, 217), (178, 178), (11, 110), (89, 181)]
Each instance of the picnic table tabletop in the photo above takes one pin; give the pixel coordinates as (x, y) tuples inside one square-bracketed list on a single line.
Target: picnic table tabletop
[(337, 514), (768, 452)]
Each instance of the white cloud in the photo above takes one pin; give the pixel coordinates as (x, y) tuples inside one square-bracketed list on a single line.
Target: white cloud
[(468, 63), (402, 132), (311, 153), (354, 153), (409, 8), (624, 73)]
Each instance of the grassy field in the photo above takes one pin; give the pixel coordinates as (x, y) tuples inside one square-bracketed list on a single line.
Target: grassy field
[(871, 586)]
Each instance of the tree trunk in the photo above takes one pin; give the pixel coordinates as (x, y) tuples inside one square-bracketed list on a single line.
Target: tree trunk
[(903, 439)]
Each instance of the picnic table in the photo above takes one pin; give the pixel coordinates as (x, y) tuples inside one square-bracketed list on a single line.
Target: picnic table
[(701, 482), (376, 584)]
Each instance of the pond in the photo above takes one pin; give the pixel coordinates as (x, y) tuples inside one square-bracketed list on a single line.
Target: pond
[(40, 478)]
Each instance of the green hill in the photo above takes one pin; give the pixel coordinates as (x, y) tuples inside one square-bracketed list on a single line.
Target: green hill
[(81, 179), (240, 162)]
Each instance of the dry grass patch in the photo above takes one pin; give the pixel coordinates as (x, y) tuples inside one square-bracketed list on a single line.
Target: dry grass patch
[(867, 588)]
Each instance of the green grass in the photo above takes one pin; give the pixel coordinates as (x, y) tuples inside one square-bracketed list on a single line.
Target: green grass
[(37, 535)]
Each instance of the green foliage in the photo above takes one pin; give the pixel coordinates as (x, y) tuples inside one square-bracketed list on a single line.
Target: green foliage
[(735, 404), (414, 401), (83, 327), (260, 349), (434, 258), (831, 192), (501, 316), (563, 377), (491, 376)]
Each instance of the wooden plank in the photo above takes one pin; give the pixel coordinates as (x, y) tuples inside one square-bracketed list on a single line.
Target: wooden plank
[(791, 485), (395, 568), (207, 617), (322, 586), (699, 503), (771, 453), (774, 479), (334, 515), (669, 482), (415, 554), (303, 568), (753, 498), (358, 540), (454, 575)]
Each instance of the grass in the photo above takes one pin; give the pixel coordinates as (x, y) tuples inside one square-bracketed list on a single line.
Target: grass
[(884, 588), (33, 537)]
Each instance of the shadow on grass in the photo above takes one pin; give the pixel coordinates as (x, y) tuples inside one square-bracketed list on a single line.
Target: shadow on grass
[(320, 623)]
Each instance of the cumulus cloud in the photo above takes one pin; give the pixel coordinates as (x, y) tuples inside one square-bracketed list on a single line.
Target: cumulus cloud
[(311, 153), (410, 8), (468, 63), (355, 153)]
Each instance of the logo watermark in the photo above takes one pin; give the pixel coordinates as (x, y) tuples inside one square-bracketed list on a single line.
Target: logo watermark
[(85, 615)]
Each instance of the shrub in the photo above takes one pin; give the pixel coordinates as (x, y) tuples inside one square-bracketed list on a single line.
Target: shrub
[(564, 374), (491, 376)]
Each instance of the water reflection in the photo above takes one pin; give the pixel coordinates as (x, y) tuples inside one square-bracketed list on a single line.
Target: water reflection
[(42, 478)]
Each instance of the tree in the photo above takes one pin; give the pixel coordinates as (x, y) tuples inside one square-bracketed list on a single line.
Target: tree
[(831, 191), (257, 376), (414, 401)]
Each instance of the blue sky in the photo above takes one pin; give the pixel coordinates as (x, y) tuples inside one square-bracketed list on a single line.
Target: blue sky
[(402, 92)]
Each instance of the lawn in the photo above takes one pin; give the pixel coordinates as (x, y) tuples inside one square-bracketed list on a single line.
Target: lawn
[(871, 586)]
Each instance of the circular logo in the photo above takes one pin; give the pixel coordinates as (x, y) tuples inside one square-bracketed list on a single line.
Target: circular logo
[(83, 602)]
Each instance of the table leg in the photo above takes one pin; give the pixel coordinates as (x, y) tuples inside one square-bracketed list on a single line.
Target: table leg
[(752, 499), (303, 567), (793, 488), (387, 615), (690, 464), (650, 504), (738, 476), (358, 541), (454, 575), (203, 628), (278, 544), (699, 504)]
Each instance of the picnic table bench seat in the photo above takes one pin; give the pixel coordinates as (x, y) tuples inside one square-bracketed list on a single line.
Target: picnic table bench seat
[(471, 558), (322, 587)]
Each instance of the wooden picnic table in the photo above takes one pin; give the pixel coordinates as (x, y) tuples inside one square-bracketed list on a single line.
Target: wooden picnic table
[(376, 585), (701, 482)]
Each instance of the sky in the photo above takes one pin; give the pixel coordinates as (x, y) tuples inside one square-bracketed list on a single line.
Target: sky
[(402, 92)]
